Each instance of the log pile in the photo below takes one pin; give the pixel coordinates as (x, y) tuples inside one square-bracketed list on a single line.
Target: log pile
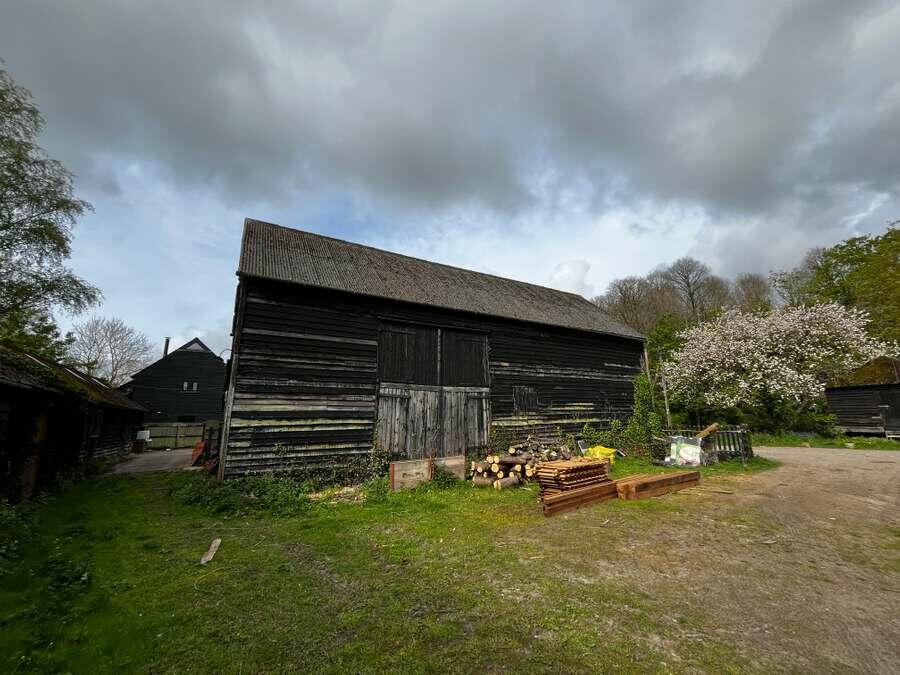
[(641, 486), (515, 466), (573, 483)]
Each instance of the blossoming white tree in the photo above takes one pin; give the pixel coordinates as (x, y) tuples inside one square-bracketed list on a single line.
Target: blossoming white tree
[(753, 360)]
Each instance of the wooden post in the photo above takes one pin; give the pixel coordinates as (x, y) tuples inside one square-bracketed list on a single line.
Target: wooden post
[(666, 400), (647, 373)]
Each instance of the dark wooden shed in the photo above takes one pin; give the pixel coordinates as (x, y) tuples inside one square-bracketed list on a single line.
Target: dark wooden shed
[(335, 344), (54, 417), (185, 385), (868, 400)]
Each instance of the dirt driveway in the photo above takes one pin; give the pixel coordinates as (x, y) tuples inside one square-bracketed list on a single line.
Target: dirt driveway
[(156, 460), (798, 567), (817, 483)]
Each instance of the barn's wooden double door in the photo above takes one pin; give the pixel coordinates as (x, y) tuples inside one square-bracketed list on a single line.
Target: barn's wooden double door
[(434, 391)]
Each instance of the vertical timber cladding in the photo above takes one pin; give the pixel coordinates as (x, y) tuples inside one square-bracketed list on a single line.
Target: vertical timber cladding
[(433, 397)]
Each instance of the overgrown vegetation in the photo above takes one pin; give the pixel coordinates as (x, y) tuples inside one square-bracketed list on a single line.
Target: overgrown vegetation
[(499, 439), (637, 434), (358, 470), (15, 526), (107, 578), (275, 495)]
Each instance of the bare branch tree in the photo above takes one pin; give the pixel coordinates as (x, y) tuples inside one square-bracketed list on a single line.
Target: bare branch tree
[(688, 277), (640, 302), (753, 293), (625, 301), (715, 294), (109, 349), (792, 286)]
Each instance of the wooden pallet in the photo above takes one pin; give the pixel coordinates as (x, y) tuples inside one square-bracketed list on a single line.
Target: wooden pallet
[(569, 500), (642, 486)]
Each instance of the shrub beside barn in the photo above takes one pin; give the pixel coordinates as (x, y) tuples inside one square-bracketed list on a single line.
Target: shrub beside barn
[(336, 344)]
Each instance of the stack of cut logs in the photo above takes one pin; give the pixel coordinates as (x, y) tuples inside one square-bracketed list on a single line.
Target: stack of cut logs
[(570, 484), (518, 464)]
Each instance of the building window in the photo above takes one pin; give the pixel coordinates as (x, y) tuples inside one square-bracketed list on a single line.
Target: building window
[(525, 400), (195, 386), (184, 386)]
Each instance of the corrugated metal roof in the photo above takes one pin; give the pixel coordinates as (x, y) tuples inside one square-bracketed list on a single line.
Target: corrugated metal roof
[(274, 252)]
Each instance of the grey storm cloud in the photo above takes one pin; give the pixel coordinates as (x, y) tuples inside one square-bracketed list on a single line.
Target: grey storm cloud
[(740, 107)]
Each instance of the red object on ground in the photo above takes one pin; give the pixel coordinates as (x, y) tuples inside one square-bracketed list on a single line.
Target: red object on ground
[(199, 447)]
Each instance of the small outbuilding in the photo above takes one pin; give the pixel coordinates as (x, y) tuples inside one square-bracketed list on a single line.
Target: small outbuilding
[(868, 400), (185, 385), (337, 346), (54, 417)]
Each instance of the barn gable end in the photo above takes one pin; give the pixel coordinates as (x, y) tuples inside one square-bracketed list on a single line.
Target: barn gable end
[(318, 370)]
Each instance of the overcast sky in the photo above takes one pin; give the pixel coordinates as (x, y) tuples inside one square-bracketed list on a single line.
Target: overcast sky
[(560, 143)]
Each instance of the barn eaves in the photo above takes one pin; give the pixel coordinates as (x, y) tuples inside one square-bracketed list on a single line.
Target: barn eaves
[(279, 253)]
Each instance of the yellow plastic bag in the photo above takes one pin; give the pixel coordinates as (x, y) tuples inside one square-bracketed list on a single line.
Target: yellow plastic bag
[(602, 452)]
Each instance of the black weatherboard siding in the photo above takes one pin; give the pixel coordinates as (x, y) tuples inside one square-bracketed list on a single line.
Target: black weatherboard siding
[(867, 400), (52, 417), (320, 365), (866, 409), (160, 387)]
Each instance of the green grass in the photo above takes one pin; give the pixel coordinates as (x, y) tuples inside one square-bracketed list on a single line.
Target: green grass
[(625, 466), (105, 577), (794, 441)]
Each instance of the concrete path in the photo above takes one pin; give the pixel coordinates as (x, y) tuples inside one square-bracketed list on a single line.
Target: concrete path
[(156, 460)]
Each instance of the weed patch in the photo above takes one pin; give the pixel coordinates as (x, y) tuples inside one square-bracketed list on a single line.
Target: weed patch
[(275, 495)]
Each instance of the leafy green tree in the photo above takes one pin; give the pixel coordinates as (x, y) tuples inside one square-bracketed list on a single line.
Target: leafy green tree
[(38, 210), (863, 272), (34, 331), (664, 338)]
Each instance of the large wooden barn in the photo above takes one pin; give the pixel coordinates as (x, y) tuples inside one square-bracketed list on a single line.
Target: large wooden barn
[(335, 344)]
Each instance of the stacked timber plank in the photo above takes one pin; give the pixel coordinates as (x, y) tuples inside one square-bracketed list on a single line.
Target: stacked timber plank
[(641, 486), (573, 483), (515, 466)]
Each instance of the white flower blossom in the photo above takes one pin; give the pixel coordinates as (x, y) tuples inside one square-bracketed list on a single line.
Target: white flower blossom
[(788, 353)]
